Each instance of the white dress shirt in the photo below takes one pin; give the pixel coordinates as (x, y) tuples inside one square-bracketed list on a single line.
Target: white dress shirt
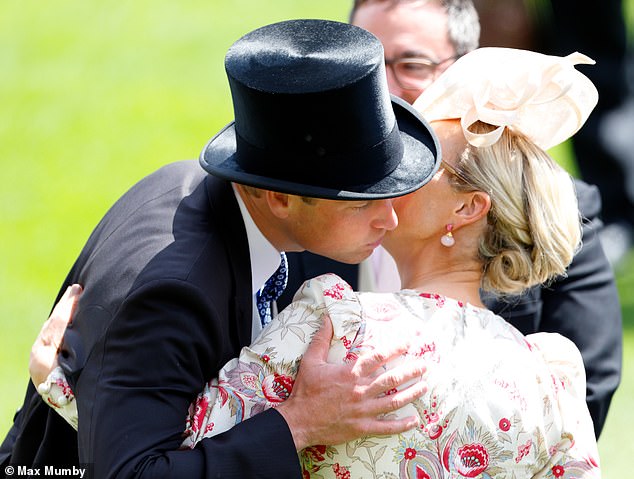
[(264, 257)]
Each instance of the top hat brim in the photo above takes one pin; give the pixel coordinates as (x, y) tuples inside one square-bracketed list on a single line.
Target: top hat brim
[(420, 161)]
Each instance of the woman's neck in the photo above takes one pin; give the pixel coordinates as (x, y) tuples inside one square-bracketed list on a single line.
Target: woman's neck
[(459, 280)]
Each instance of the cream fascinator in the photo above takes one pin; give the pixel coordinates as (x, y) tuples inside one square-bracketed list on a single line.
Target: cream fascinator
[(541, 96)]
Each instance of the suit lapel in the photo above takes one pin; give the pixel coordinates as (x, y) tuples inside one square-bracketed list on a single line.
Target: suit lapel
[(234, 237)]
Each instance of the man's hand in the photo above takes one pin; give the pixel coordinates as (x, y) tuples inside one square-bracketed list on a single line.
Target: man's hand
[(335, 403), (46, 346)]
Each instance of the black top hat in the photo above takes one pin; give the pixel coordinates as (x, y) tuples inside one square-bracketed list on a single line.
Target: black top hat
[(313, 117)]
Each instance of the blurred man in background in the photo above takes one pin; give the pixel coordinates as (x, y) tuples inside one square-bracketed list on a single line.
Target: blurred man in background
[(604, 147)]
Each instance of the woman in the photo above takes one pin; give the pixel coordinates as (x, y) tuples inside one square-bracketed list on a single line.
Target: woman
[(499, 215)]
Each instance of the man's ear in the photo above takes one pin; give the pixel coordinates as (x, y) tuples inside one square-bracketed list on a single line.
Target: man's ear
[(279, 203), (475, 206)]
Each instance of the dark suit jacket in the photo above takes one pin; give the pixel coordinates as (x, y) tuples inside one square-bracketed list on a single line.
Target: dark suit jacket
[(167, 303), (584, 306)]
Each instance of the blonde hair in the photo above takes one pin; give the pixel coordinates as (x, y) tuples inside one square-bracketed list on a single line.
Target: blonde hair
[(534, 226)]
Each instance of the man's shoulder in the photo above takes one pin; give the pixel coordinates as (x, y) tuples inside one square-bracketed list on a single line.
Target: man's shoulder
[(171, 175), (589, 199), (165, 226)]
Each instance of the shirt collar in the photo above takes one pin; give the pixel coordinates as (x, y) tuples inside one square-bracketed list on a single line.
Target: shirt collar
[(265, 258)]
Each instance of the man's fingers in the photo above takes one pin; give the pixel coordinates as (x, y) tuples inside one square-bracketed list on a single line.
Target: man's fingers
[(394, 387), (370, 361), (43, 357), (320, 344), (383, 427), (396, 400), (397, 377), (333, 403)]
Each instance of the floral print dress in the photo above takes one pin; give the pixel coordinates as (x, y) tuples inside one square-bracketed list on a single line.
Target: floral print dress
[(499, 405)]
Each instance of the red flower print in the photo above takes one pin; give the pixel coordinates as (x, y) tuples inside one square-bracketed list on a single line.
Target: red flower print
[(523, 450), (65, 398), (504, 424), (410, 453), (202, 404), (66, 390), (224, 395), (350, 357), (277, 387), (316, 452), (434, 431), (440, 300), (473, 459), (53, 403), (249, 380), (425, 348), (336, 292), (558, 471), (266, 358), (341, 472), (421, 474), (391, 391)]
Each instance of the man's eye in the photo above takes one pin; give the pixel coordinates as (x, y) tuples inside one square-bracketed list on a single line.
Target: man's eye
[(361, 206)]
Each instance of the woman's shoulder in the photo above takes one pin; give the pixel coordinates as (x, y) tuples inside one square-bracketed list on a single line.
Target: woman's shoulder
[(563, 359), (329, 286)]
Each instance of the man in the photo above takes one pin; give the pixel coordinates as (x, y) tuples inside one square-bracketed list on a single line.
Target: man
[(171, 274), (421, 39)]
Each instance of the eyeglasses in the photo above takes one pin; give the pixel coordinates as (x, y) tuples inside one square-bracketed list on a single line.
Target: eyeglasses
[(415, 73)]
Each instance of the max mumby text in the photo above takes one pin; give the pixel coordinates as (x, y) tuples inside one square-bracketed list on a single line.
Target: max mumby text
[(45, 471)]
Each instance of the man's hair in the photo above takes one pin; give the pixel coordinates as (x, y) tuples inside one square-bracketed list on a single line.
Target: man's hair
[(462, 20), (257, 193)]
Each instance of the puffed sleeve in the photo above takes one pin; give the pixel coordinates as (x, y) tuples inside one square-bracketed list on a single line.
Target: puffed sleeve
[(576, 455)]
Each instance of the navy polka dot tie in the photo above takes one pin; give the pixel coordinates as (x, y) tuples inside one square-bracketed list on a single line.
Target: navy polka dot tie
[(272, 290)]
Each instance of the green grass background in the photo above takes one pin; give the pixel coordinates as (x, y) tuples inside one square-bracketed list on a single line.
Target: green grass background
[(95, 95)]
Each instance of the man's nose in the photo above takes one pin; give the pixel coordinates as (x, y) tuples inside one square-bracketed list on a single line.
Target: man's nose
[(387, 218)]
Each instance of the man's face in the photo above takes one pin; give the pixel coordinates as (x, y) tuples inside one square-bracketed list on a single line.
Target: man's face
[(409, 30), (346, 231)]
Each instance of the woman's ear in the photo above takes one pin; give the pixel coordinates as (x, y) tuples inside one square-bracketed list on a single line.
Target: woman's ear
[(279, 203), (475, 206)]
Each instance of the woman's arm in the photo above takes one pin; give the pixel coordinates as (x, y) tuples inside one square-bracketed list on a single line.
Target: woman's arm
[(286, 340), (47, 376), (44, 351)]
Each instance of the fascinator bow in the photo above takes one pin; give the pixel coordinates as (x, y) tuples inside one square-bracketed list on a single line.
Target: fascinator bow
[(542, 96)]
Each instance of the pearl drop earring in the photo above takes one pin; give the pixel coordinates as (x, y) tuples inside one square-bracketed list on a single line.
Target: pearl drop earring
[(448, 239)]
